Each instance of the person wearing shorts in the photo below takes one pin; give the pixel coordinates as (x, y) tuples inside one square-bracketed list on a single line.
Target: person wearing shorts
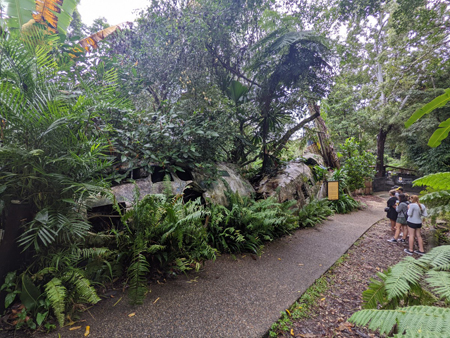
[(392, 213), (401, 223), (416, 211)]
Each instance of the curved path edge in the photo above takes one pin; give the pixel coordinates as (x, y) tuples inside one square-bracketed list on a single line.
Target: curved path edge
[(234, 297)]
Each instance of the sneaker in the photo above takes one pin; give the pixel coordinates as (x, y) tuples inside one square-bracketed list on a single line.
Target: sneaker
[(392, 240), (419, 252), (408, 252), (402, 240), (401, 234)]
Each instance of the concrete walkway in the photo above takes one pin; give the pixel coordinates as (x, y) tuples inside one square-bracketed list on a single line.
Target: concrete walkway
[(239, 297)]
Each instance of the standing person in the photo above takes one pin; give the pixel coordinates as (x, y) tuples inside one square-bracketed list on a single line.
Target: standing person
[(402, 210), (392, 213), (416, 211)]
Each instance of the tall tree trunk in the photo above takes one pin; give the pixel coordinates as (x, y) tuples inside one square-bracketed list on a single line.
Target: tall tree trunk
[(326, 145), (381, 140)]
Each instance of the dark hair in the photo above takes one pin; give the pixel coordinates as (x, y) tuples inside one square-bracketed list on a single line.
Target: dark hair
[(400, 188), (392, 192), (402, 197)]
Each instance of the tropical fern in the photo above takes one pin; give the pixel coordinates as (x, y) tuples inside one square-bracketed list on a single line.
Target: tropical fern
[(412, 320), (376, 293), (137, 273), (402, 276), (403, 285), (80, 287), (56, 294), (440, 282)]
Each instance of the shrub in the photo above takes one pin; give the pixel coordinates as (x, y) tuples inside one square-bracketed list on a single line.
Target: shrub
[(406, 299), (245, 224), (314, 212)]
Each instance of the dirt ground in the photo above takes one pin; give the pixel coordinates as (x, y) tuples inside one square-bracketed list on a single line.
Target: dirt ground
[(372, 253)]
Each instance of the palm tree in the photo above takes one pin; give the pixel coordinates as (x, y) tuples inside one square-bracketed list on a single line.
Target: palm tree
[(292, 70)]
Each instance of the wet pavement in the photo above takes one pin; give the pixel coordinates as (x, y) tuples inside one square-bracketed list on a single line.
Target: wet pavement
[(239, 296)]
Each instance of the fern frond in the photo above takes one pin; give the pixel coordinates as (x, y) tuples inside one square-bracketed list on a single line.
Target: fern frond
[(138, 283), (438, 258), (412, 320), (376, 293), (402, 275), (421, 335), (56, 294), (81, 289), (440, 281)]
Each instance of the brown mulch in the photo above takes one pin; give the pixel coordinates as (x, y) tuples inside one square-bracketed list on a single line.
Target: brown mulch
[(347, 281)]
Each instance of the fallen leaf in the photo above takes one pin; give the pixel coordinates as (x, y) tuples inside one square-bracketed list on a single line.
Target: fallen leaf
[(279, 259), (75, 328), (322, 299), (292, 332), (345, 326), (301, 264), (132, 314), (288, 312), (156, 300), (88, 330)]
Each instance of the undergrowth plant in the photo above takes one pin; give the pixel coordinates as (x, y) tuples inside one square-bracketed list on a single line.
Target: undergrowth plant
[(245, 224), (344, 204), (314, 212), (410, 299), (162, 231)]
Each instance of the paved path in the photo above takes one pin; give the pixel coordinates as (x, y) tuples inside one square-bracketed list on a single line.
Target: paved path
[(234, 298)]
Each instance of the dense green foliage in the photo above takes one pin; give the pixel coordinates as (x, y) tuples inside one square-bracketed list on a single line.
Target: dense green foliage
[(314, 212), (190, 84), (406, 298), (245, 224), (357, 164)]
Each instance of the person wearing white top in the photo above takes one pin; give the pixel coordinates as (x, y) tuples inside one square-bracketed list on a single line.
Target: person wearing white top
[(416, 211)]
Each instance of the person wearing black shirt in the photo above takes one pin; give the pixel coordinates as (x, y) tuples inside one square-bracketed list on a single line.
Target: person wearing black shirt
[(392, 213)]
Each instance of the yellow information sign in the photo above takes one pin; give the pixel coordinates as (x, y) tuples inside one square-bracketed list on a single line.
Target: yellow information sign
[(333, 190)]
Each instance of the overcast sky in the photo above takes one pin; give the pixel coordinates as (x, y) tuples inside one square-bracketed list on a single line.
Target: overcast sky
[(115, 11)]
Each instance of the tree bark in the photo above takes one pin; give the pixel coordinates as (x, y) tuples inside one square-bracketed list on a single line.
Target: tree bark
[(381, 140), (282, 142), (326, 145)]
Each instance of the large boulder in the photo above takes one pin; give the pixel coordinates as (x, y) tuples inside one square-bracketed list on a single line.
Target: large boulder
[(295, 181)]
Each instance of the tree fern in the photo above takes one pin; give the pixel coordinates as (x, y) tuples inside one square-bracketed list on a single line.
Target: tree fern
[(412, 320), (440, 281), (403, 285), (438, 258), (376, 292), (56, 294), (402, 275)]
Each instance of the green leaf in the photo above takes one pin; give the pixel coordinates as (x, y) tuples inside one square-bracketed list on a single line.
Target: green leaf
[(42, 216), (9, 299), (439, 134), (440, 101), (40, 317), (30, 293)]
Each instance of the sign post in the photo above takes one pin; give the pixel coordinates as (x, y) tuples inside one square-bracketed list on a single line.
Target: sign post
[(333, 190)]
